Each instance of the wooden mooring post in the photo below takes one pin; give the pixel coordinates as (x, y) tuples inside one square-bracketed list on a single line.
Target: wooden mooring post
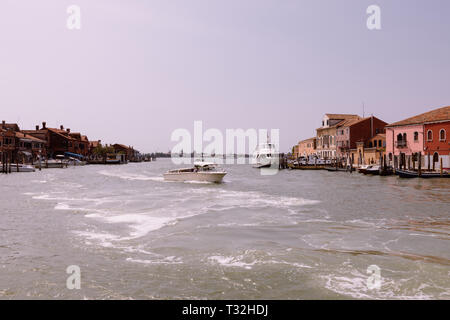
[(420, 164), (442, 170)]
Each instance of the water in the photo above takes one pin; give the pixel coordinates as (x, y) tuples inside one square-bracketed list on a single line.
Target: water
[(295, 235)]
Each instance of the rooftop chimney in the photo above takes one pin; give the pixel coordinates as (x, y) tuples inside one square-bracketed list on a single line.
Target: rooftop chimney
[(61, 127), (44, 124), (68, 130), (37, 128), (3, 124)]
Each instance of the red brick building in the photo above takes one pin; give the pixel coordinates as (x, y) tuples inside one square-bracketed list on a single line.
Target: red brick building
[(351, 131), (60, 141), (19, 147), (437, 143)]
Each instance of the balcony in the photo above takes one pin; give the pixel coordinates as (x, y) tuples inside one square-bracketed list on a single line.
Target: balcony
[(400, 144)]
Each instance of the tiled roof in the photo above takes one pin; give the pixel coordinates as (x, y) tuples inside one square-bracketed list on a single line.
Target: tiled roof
[(349, 122), (21, 135), (13, 126), (336, 116), (61, 133), (121, 146), (435, 115), (307, 140)]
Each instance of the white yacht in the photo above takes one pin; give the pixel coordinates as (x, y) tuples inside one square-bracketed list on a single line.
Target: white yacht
[(202, 171), (265, 155)]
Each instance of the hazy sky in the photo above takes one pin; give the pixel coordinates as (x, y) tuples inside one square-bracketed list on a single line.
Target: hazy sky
[(139, 69)]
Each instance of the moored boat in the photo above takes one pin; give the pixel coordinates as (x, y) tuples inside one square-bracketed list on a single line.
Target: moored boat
[(363, 168), (265, 156), (374, 169), (415, 174), (18, 168)]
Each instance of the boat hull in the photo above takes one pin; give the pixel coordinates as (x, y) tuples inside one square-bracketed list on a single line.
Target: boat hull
[(213, 177), (22, 168), (414, 174), (260, 165)]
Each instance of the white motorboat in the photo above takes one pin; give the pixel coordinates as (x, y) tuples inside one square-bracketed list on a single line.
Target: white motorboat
[(373, 169), (75, 162), (50, 164), (363, 168), (265, 155), (202, 171)]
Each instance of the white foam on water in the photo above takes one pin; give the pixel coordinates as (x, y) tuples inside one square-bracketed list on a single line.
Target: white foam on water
[(105, 239), (166, 260), (251, 199), (198, 182), (129, 176), (144, 223), (229, 261), (52, 197), (62, 206), (355, 285), (30, 193)]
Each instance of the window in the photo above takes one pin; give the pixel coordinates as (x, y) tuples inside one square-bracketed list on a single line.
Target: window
[(436, 157), (390, 156), (442, 135), (379, 143), (430, 135), (416, 136), (404, 137)]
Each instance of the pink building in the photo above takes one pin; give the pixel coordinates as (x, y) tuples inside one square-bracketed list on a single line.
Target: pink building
[(405, 139)]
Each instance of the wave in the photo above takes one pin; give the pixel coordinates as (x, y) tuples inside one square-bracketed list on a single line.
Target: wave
[(130, 176), (249, 259)]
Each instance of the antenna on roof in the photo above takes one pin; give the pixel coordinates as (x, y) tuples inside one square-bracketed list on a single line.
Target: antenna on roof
[(363, 110)]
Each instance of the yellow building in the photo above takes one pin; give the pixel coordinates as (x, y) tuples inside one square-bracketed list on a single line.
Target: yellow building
[(369, 152)]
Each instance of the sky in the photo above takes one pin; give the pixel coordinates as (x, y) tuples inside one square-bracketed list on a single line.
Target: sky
[(139, 69)]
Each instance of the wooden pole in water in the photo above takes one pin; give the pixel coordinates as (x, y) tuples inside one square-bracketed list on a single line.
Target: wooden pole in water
[(404, 161), (395, 163), (414, 163), (433, 164), (441, 168), (10, 162), (420, 164), (428, 160), (409, 162)]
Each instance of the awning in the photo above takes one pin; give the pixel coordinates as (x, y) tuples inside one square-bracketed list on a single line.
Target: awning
[(74, 155), (26, 153)]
